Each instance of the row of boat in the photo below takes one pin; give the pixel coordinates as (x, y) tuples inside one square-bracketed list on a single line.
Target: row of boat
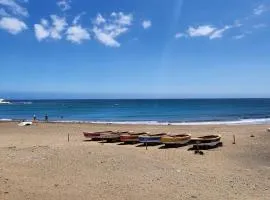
[(153, 138)]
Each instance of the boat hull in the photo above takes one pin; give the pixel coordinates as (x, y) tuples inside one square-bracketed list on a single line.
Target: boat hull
[(129, 138), (176, 139), (149, 139), (211, 141), (94, 135), (109, 137), (210, 144)]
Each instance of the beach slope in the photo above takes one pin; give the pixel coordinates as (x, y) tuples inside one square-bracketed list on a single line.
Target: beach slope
[(38, 162)]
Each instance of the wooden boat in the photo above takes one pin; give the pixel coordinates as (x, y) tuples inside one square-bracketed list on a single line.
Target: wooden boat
[(109, 137), (175, 139), (112, 136), (151, 138), (208, 140), (131, 137), (95, 135)]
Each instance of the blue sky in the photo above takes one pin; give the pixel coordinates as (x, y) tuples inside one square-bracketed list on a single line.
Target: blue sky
[(134, 49)]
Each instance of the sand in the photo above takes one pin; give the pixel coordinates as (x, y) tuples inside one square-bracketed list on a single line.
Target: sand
[(37, 162)]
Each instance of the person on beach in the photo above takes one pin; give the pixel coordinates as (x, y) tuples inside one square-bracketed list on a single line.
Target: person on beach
[(46, 118), (34, 118)]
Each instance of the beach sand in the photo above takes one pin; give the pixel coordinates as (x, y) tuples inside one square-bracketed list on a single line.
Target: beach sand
[(37, 162)]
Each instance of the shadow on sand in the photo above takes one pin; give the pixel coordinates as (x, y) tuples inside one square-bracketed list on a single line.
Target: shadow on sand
[(195, 147), (149, 145), (109, 141), (128, 143), (171, 146), (88, 140)]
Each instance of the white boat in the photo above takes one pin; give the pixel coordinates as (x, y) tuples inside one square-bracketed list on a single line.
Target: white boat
[(208, 140), (2, 101), (25, 124)]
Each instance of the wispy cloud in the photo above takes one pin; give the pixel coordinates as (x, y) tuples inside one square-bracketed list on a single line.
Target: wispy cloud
[(108, 30), (78, 18), (146, 24), (260, 9), (14, 7), (53, 30), (77, 34), (99, 19), (3, 12), (204, 30), (12, 25), (218, 33), (59, 25), (238, 37), (64, 5), (209, 31), (262, 25), (180, 35), (215, 32)]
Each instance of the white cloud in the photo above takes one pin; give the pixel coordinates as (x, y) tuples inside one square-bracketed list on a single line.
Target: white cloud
[(105, 38), (238, 37), (209, 31), (64, 5), (205, 30), (107, 30), (218, 33), (77, 34), (78, 18), (54, 30), (260, 10), (41, 32), (122, 19), (12, 25), (44, 22), (14, 7), (180, 35), (59, 25), (146, 24), (99, 19)]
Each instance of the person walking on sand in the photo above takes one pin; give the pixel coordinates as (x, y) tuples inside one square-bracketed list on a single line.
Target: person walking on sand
[(46, 118)]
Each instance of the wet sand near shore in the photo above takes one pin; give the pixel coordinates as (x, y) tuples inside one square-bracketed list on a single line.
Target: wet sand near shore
[(38, 162)]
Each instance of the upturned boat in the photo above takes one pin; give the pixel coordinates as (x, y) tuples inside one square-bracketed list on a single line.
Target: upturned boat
[(207, 140), (95, 135), (151, 138), (175, 139), (131, 137)]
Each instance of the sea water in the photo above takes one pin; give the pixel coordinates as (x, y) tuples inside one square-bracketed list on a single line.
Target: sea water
[(142, 111)]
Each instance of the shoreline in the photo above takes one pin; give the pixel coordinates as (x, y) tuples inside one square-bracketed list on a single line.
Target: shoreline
[(260, 121)]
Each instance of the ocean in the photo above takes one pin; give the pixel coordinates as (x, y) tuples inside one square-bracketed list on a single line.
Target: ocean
[(154, 111)]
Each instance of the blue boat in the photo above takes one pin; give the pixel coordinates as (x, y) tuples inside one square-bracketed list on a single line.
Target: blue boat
[(151, 138)]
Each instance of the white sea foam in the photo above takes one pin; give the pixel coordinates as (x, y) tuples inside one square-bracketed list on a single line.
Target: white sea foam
[(23, 102), (236, 122), (2, 101), (6, 120)]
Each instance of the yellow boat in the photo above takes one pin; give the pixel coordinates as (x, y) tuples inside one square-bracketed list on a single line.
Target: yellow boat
[(175, 139)]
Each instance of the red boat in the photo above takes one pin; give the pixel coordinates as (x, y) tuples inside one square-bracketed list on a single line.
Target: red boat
[(131, 137), (95, 135)]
